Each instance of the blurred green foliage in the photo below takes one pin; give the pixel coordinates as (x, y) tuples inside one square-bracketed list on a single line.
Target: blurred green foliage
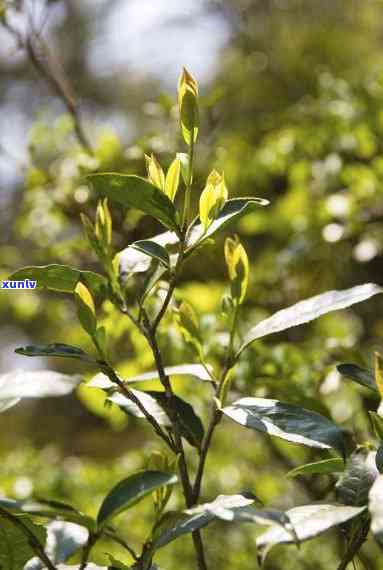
[(294, 115)]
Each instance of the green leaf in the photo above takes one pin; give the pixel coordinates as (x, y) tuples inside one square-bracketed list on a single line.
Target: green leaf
[(173, 179), (155, 173), (136, 192), (376, 510), (156, 404), (176, 524), (62, 278), (187, 322), (310, 309), (57, 511), (15, 548), (212, 199), (232, 211), (103, 227), (333, 465), (130, 491), (355, 483), (55, 349), (191, 427), (308, 521), (378, 372), (85, 308), (287, 421), (188, 106), (184, 159), (377, 424), (36, 384), (238, 268), (359, 375), (197, 371), (152, 249), (229, 508), (133, 261)]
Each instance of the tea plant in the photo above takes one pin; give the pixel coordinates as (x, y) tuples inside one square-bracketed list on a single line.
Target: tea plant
[(141, 281)]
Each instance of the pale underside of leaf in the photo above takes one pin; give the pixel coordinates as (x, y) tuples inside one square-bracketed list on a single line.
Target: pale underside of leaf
[(286, 421), (310, 309), (194, 370), (308, 521), (36, 384), (63, 540)]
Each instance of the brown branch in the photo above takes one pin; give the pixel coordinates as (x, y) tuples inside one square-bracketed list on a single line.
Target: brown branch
[(108, 370), (42, 60)]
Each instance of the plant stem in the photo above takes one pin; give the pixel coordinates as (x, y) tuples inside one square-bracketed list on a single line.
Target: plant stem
[(355, 543), (42, 60), (32, 539), (186, 212), (92, 539), (108, 370)]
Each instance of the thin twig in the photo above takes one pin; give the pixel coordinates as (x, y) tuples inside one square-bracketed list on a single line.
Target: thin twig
[(108, 370), (42, 60)]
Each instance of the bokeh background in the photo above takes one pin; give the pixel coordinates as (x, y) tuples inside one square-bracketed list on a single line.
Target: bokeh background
[(291, 110)]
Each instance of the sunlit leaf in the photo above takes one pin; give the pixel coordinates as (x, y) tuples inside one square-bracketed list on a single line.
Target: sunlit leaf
[(378, 372), (61, 278), (188, 106), (286, 421), (308, 521), (85, 308), (212, 199), (238, 268), (173, 179), (36, 384), (155, 173), (310, 309), (135, 192), (130, 491)]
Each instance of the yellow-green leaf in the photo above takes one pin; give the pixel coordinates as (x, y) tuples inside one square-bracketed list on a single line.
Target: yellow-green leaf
[(212, 199), (188, 324), (173, 179), (85, 308), (378, 369), (188, 106), (238, 268), (155, 173), (103, 228)]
